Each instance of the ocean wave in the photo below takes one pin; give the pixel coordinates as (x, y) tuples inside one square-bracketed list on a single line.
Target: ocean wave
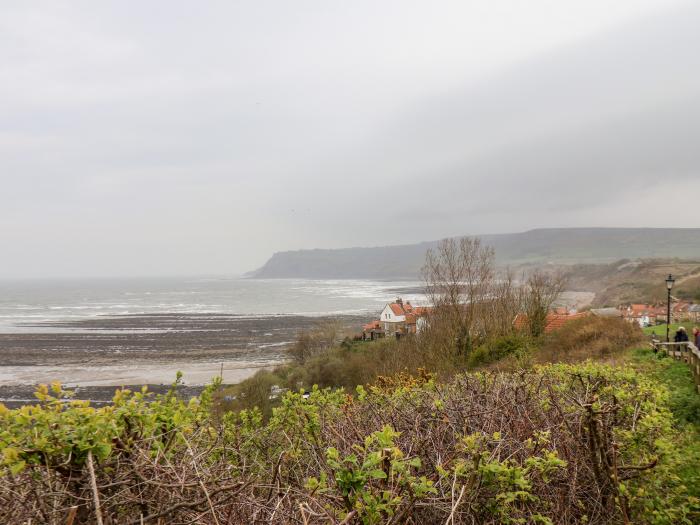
[(246, 299), (273, 345)]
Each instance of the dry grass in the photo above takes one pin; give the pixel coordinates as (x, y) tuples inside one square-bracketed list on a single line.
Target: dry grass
[(591, 337)]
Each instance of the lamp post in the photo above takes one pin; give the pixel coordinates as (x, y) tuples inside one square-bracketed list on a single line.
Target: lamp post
[(669, 284)]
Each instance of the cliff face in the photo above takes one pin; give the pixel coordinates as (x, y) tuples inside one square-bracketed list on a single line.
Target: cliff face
[(560, 246), (386, 262)]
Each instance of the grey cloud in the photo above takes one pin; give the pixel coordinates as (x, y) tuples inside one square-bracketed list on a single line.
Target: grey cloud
[(577, 129), (169, 137)]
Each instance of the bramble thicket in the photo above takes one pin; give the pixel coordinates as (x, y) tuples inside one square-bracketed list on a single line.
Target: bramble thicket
[(581, 443)]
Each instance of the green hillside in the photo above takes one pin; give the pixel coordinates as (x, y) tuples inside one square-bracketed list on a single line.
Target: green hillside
[(541, 246)]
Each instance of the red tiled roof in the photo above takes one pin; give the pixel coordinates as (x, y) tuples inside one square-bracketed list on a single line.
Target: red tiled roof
[(640, 310), (640, 307), (404, 308), (397, 309), (374, 325), (554, 320)]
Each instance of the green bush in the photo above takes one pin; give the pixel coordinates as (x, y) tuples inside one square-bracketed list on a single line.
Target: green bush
[(517, 346), (564, 444)]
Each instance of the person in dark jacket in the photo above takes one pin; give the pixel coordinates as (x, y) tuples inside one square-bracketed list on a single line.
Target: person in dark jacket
[(681, 335)]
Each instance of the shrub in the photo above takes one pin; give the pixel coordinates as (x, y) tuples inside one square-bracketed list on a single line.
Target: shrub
[(517, 346), (253, 392), (558, 444), (311, 343), (590, 337)]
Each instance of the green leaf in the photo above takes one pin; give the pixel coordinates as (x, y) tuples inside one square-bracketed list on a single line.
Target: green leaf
[(103, 450), (18, 467)]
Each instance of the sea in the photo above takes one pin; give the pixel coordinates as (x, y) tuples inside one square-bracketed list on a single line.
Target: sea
[(34, 306)]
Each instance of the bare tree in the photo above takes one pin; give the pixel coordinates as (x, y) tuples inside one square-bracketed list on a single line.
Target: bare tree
[(540, 291), (459, 277), (504, 305), (473, 303)]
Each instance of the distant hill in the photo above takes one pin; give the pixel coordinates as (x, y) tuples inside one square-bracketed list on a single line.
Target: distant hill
[(541, 246)]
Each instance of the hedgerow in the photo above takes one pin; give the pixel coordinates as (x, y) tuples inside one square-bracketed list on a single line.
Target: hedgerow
[(584, 443)]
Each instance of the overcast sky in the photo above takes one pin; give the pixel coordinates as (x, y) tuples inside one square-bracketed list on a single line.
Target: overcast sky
[(179, 137)]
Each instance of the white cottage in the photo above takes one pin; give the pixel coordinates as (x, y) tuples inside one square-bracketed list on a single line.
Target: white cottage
[(397, 318), (393, 317)]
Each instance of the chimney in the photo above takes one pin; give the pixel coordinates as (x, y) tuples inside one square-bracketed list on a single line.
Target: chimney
[(399, 301)]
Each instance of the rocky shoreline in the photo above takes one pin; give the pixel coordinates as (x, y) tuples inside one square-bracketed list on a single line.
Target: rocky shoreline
[(98, 354)]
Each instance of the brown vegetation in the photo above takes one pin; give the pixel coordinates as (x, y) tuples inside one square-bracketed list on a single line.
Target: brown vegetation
[(590, 337), (316, 341), (538, 293), (473, 304)]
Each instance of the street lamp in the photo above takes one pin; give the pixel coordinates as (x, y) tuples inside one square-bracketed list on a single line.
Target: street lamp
[(669, 284)]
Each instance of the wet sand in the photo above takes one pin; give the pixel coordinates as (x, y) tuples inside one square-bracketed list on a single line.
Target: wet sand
[(132, 373), (102, 352)]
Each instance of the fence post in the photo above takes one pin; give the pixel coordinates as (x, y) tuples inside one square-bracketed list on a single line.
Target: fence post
[(695, 364)]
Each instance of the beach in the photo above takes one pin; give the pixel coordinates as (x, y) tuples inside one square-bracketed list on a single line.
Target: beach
[(98, 354)]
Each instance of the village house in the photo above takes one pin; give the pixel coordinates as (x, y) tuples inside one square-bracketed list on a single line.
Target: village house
[(650, 315), (397, 319), (680, 311), (558, 318), (641, 314), (372, 331)]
